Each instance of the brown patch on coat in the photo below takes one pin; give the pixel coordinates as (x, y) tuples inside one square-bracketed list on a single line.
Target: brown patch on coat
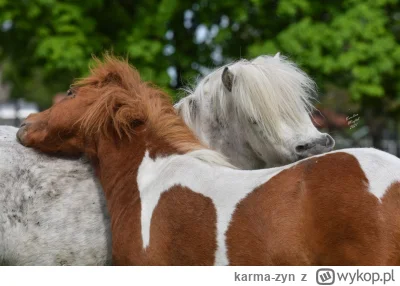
[(391, 215), (306, 216), (183, 229)]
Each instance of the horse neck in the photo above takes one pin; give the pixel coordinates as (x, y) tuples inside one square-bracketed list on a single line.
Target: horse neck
[(117, 161), (116, 167)]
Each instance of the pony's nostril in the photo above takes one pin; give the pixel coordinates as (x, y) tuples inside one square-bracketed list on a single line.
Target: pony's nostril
[(330, 142), (322, 144), (301, 148), (24, 123)]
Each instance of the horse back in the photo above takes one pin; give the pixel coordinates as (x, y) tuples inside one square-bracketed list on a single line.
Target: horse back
[(321, 211)]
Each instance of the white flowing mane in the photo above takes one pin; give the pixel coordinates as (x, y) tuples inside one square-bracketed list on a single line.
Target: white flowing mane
[(267, 90), (211, 157)]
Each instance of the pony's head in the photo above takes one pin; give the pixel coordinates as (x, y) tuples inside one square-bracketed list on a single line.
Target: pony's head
[(257, 113), (111, 103)]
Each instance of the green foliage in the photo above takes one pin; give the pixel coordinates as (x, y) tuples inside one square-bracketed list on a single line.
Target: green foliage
[(351, 44), (51, 42)]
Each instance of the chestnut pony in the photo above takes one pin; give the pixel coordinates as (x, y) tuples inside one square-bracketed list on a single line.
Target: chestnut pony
[(172, 201)]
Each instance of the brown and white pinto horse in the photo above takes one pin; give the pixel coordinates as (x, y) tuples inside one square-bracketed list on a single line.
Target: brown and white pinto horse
[(173, 202)]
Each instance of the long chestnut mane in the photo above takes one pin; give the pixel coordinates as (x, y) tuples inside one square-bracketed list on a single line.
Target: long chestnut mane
[(124, 101)]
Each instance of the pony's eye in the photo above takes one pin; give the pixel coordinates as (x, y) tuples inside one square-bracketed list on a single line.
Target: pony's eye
[(69, 92)]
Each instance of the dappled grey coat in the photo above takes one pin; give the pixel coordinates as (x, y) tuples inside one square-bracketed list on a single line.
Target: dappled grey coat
[(49, 215)]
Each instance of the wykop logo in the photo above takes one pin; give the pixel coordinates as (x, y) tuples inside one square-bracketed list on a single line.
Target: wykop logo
[(325, 276)]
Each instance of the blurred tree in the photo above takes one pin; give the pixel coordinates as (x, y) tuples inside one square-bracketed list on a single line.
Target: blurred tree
[(350, 45), (44, 44)]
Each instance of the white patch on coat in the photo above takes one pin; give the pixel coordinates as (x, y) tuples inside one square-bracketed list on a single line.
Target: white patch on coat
[(381, 169)]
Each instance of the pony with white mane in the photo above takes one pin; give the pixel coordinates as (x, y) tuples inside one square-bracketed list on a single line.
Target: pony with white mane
[(256, 113)]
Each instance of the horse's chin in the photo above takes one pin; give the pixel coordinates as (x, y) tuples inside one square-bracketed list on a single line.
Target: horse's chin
[(309, 155), (302, 157)]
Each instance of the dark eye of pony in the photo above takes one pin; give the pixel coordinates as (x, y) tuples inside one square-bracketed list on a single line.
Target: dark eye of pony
[(70, 92)]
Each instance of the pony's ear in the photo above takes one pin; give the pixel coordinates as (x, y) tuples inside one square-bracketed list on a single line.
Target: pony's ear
[(227, 78), (112, 77)]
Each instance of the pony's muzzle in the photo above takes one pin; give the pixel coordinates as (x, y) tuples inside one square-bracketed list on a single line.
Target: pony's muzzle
[(21, 134), (315, 147)]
